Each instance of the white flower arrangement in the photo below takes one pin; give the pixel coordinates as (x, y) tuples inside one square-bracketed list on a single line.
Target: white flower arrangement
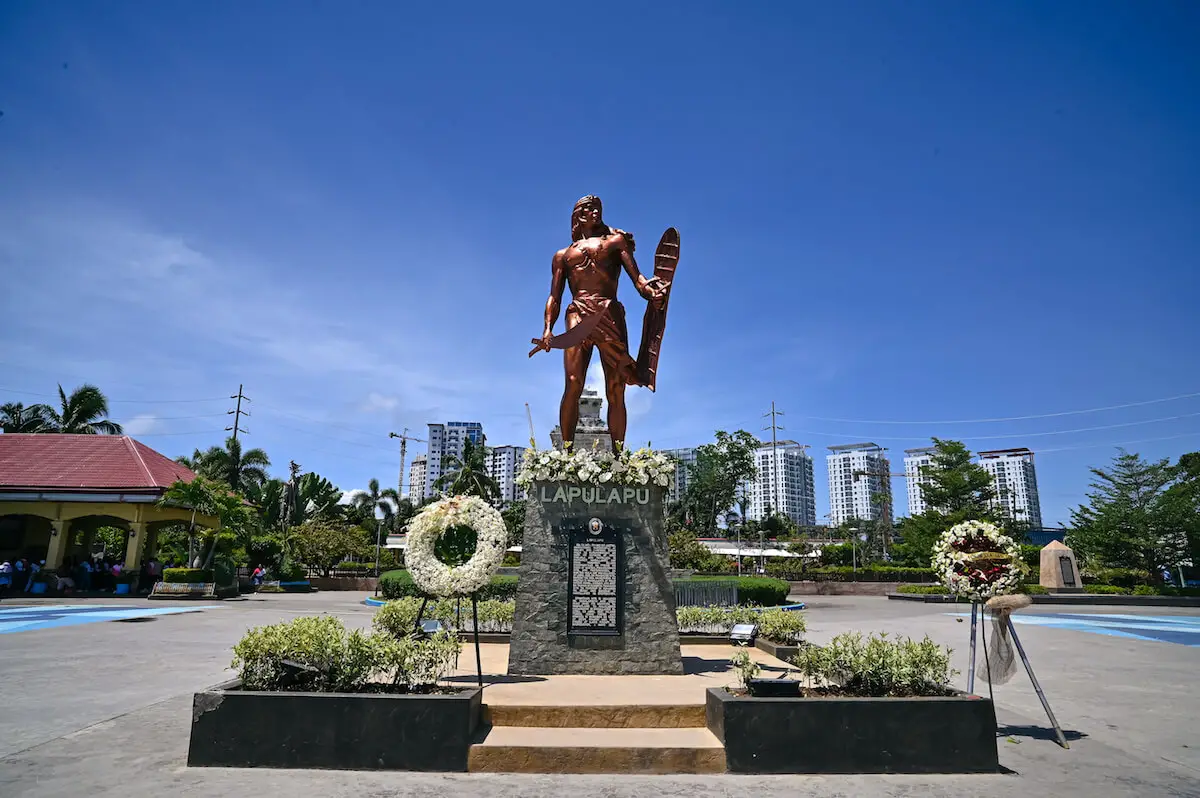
[(976, 560), (596, 467), (436, 577)]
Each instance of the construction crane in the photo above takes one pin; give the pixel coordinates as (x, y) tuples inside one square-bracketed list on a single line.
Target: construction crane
[(529, 416), (404, 439)]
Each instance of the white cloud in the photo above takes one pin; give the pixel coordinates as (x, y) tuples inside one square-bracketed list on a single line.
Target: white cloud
[(140, 425), (377, 402)]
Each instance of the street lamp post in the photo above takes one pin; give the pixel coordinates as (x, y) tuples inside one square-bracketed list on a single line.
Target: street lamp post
[(853, 549)]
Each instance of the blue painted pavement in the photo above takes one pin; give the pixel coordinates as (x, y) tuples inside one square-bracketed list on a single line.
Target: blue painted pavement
[(1181, 629), (29, 619)]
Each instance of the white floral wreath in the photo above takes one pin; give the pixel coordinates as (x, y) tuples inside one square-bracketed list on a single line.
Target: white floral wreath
[(976, 560), (436, 577)]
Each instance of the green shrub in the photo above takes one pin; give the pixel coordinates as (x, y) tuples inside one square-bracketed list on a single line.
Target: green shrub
[(781, 626), (873, 573), (511, 559), (1031, 556), (1033, 590), (1108, 590), (399, 584), (836, 554), (1144, 590), (355, 566), (923, 590), (289, 571), (187, 575), (713, 620), (1121, 577), (762, 591), (878, 666), (342, 661), (398, 618), (746, 668)]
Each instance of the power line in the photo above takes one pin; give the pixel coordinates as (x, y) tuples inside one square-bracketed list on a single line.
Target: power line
[(121, 401), (1011, 418)]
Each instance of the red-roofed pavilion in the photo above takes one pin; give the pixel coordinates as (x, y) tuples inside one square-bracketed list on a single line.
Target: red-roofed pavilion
[(53, 486)]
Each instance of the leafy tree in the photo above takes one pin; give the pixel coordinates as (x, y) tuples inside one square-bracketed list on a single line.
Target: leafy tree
[(468, 476), (16, 417), (324, 544), (268, 498), (956, 490), (199, 496), (713, 479), (514, 521), (240, 470), (81, 413), (1133, 519), (313, 499), (686, 551)]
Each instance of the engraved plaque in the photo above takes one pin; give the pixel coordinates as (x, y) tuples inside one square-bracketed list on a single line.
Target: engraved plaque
[(595, 578)]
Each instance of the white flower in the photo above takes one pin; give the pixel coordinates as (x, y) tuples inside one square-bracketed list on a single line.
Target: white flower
[(431, 574)]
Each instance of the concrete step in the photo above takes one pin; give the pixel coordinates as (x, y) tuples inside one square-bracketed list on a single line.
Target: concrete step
[(600, 716), (529, 749)]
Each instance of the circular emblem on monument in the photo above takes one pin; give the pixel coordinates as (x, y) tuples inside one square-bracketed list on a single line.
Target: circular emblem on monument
[(595, 526)]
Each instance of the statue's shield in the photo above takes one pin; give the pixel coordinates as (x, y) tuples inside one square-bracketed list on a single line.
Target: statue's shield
[(666, 258)]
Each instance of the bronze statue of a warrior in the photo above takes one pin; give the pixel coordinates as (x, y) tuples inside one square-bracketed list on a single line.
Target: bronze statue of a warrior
[(592, 265)]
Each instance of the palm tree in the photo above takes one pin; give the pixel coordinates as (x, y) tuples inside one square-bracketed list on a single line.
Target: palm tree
[(240, 470), (197, 496), (468, 476), (83, 413), (268, 497), (16, 417), (373, 502)]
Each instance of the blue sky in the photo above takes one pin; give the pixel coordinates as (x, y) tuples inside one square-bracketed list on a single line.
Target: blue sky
[(889, 212)]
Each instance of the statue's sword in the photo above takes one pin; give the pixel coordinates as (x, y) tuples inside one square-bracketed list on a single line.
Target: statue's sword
[(576, 335)]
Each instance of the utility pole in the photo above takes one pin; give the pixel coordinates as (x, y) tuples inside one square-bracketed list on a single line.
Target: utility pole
[(237, 414), (404, 439), (774, 462)]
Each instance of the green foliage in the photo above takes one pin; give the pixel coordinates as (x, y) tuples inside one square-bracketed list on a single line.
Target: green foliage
[(781, 626), (1031, 556), (1144, 590), (188, 575), (81, 413), (878, 666), (837, 554), (1032, 590), (456, 545), (1122, 577), (713, 479), (514, 521), (324, 544), (398, 618), (374, 505), (923, 590), (713, 620), (343, 661), (1109, 590), (398, 584), (752, 590), (746, 668), (238, 469), (1138, 516), (789, 569), (16, 417), (957, 490), (288, 571), (468, 475), (686, 552)]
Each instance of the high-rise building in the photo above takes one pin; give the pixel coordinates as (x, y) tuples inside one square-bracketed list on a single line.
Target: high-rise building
[(416, 479), (914, 461), (683, 458), (784, 484), (1015, 481), (445, 441), (860, 487), (503, 465)]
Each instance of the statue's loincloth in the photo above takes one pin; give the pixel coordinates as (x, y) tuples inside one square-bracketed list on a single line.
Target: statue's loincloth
[(604, 321)]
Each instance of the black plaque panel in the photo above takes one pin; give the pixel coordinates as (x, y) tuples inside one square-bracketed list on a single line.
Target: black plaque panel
[(595, 578)]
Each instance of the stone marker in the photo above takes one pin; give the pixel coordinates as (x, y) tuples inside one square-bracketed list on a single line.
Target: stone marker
[(1059, 571), (594, 595)]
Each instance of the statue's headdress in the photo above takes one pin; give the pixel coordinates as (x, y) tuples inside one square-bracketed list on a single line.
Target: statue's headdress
[(590, 199)]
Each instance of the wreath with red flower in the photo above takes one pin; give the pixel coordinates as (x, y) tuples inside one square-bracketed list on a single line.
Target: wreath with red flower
[(976, 560)]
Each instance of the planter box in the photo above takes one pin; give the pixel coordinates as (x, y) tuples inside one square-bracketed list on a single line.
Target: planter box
[(955, 734), (342, 731)]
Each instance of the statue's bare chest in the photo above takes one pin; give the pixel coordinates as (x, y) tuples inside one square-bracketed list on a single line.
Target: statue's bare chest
[(591, 256)]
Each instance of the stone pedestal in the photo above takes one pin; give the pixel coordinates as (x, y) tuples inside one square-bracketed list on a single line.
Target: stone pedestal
[(594, 595), (1059, 570)]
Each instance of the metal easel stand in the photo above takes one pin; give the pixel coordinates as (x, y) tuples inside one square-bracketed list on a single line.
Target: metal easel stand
[(976, 623), (475, 620), (1062, 739)]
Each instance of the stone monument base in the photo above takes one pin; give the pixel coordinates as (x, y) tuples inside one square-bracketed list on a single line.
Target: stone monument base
[(594, 595)]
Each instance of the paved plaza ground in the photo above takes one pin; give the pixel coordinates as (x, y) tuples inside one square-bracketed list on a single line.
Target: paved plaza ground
[(99, 703)]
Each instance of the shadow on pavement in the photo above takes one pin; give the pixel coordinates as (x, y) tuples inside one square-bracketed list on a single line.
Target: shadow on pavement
[(1037, 733)]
